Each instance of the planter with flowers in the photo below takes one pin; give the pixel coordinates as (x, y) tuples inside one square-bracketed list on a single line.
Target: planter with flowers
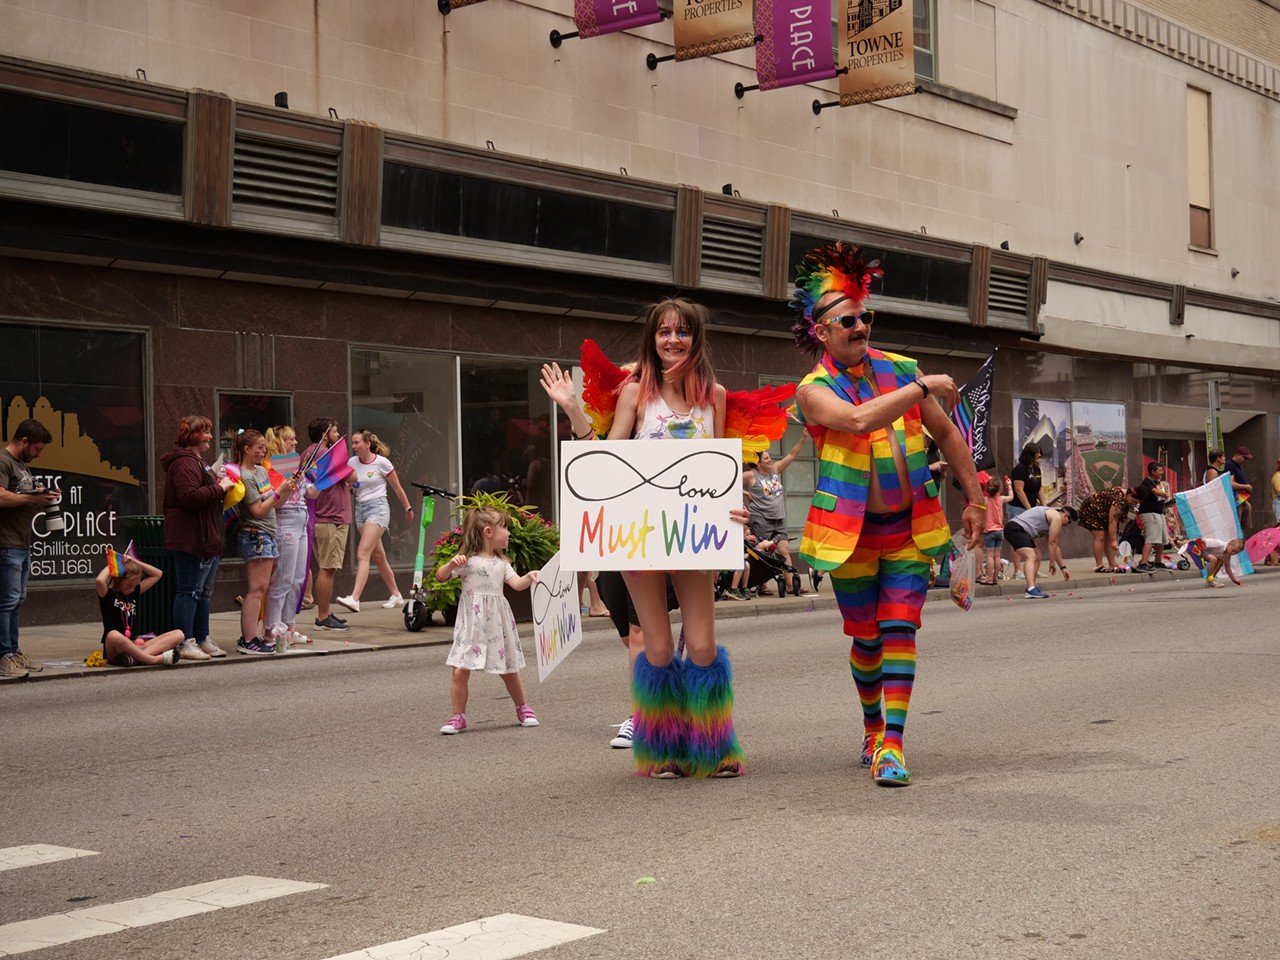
[(533, 542)]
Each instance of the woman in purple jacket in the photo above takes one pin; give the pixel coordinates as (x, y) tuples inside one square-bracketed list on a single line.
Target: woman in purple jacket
[(193, 532)]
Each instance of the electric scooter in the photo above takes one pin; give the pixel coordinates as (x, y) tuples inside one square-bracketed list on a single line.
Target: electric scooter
[(416, 614)]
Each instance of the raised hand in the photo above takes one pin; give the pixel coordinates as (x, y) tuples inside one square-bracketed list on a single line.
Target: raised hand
[(558, 384)]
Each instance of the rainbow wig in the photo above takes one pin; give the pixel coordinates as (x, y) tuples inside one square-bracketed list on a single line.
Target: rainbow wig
[(830, 269)]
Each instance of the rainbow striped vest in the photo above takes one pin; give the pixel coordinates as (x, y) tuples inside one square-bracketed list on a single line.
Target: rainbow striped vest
[(846, 459)]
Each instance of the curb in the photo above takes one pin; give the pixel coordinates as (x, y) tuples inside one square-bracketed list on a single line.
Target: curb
[(770, 606)]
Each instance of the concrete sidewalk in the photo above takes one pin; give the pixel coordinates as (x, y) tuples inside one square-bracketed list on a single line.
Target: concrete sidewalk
[(62, 648)]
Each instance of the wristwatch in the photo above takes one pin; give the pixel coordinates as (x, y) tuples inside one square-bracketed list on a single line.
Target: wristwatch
[(920, 383)]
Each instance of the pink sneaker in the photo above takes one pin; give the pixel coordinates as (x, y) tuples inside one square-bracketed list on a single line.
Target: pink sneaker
[(525, 716), (457, 723)]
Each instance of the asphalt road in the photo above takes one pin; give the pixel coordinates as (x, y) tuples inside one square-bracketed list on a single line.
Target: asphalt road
[(1095, 778)]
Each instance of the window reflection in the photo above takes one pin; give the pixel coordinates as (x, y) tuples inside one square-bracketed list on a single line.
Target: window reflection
[(506, 433), (409, 399)]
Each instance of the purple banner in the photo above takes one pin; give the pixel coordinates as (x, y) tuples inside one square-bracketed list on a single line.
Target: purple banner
[(598, 17), (796, 44)]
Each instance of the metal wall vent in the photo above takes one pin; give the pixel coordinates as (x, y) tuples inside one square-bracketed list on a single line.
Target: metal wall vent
[(285, 177), (1008, 293), (729, 246)]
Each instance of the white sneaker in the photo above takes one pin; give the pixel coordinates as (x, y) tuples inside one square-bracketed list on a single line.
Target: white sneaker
[(622, 740), (190, 650), (351, 603), (395, 601), (171, 657), (211, 648)]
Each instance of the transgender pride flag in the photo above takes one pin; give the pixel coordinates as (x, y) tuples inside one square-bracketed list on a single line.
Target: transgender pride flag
[(1210, 511)]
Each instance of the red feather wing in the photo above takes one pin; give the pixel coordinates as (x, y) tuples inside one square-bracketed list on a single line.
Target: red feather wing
[(601, 379), (758, 416)]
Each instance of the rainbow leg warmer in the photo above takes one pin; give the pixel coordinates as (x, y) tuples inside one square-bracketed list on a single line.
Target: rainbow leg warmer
[(898, 675), (713, 746), (660, 739)]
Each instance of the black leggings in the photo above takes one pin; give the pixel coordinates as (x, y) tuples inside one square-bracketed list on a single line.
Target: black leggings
[(616, 596)]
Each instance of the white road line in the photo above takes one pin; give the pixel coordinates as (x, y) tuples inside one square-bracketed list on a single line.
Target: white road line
[(493, 938), (60, 928), (33, 854)]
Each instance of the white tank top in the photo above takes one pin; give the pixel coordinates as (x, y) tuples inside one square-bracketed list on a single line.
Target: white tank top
[(660, 422)]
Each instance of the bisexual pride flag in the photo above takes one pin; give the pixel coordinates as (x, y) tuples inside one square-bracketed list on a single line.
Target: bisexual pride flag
[(331, 466)]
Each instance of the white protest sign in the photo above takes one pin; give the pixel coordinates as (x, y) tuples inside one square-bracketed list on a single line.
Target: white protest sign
[(650, 505), (557, 620)]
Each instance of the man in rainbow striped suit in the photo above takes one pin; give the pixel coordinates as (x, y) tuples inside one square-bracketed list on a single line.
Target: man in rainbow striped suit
[(875, 522)]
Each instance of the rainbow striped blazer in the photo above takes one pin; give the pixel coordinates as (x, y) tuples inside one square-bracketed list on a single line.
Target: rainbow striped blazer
[(845, 461)]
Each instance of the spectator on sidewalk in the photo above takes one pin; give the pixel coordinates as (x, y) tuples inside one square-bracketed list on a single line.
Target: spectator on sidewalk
[(993, 529), (1240, 485), (1102, 514), (1151, 518), (193, 532), (1021, 533), (332, 529), (1217, 555), (1027, 482), (767, 503), (21, 498), (118, 604), (1217, 466)]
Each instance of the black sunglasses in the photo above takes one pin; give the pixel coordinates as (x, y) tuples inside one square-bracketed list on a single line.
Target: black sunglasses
[(867, 317)]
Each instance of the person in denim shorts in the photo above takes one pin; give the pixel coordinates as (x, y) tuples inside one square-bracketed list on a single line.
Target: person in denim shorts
[(256, 534)]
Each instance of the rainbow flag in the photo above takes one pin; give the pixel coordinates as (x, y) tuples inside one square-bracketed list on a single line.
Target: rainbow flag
[(115, 563), (331, 466)]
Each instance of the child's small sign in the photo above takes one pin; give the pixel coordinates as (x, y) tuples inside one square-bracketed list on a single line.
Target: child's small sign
[(557, 618), (650, 505)]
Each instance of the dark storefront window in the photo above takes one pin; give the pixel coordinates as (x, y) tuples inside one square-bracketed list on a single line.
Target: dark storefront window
[(436, 201), (907, 276), (506, 432), (238, 412), (410, 400), (87, 387), (66, 141)]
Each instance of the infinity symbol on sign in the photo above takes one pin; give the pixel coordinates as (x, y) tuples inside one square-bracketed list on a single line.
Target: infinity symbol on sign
[(594, 481)]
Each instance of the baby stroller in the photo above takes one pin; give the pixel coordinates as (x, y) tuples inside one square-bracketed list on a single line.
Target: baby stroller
[(763, 566), (1132, 535)]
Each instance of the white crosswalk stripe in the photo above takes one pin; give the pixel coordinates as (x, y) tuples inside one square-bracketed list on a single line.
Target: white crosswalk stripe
[(60, 928), (33, 854), (493, 938)]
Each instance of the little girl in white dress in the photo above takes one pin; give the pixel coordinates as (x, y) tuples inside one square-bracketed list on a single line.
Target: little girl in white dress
[(485, 635)]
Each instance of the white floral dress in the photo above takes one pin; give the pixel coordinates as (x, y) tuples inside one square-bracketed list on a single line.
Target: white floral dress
[(485, 635)]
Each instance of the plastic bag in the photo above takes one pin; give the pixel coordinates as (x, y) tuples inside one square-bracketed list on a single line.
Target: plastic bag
[(964, 569)]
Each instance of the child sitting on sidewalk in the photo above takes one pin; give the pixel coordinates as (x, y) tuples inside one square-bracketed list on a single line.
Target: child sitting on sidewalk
[(119, 585)]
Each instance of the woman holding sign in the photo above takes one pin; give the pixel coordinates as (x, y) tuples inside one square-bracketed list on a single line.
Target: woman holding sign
[(683, 709)]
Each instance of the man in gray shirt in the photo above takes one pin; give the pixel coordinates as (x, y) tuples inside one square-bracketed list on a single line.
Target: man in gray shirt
[(21, 498)]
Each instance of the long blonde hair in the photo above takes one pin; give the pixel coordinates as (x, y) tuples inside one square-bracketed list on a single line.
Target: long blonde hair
[(378, 448), (473, 528), (277, 437)]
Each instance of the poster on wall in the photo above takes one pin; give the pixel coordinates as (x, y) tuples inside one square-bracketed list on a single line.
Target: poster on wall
[(87, 387), (1098, 448), (1047, 424)]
